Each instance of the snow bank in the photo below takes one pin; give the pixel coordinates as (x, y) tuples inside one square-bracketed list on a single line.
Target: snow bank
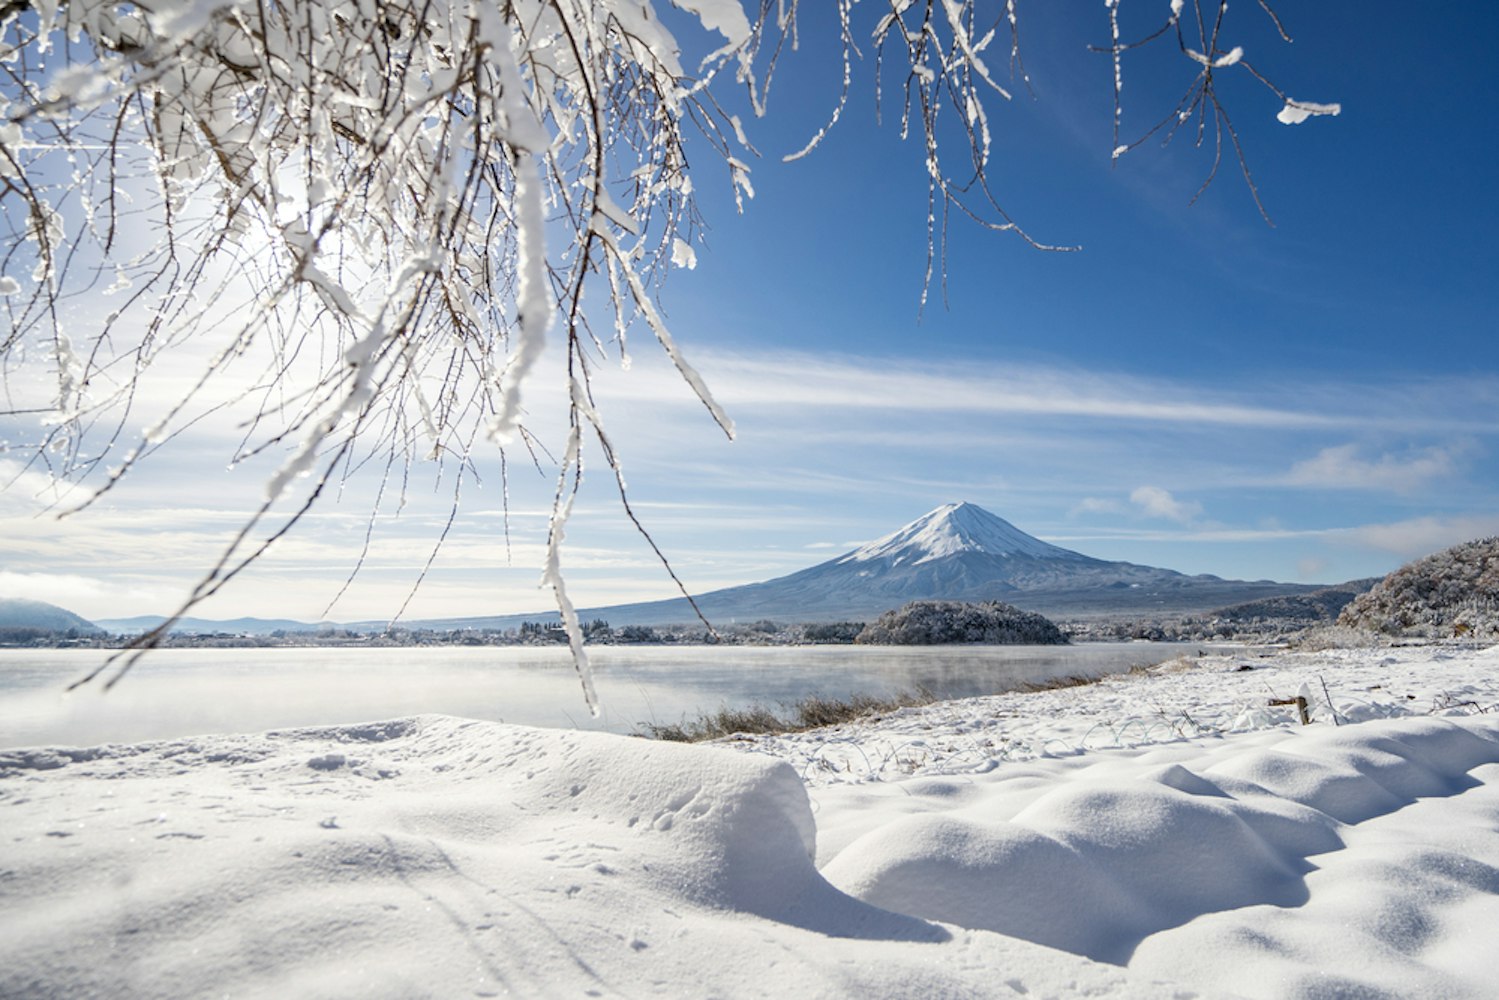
[(441, 857)]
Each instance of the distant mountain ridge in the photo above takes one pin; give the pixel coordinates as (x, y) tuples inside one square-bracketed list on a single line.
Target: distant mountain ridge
[(1313, 606)]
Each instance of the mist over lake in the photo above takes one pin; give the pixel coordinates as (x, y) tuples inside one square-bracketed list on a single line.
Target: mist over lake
[(181, 692)]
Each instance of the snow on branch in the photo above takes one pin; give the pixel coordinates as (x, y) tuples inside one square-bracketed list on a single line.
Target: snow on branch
[(1200, 34), (355, 213), (358, 225), (1296, 112)]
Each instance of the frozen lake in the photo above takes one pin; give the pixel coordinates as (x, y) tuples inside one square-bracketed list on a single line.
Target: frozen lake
[(182, 692)]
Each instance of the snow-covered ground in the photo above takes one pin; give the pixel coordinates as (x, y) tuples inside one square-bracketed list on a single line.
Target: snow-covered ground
[(1163, 834)]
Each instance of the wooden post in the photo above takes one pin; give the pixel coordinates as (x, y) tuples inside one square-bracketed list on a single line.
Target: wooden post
[(1301, 707)]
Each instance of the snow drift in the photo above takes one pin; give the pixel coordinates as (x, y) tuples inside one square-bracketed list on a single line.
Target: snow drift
[(440, 857), (436, 856)]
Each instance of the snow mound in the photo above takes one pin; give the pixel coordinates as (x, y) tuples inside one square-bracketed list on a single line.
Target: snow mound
[(442, 857), (1209, 862), (1090, 867)]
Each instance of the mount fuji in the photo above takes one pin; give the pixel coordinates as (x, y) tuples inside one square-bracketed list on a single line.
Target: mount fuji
[(957, 552)]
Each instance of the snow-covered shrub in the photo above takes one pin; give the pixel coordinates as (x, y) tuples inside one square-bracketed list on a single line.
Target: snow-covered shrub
[(928, 623), (1453, 594)]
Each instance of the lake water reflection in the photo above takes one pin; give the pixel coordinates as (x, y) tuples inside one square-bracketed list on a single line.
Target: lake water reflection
[(181, 692)]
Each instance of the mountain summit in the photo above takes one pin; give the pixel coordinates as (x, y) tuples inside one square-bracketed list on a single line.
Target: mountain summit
[(952, 529)]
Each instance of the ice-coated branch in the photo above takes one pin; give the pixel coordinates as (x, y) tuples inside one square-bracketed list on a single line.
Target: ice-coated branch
[(1201, 41), (341, 206), (359, 228)]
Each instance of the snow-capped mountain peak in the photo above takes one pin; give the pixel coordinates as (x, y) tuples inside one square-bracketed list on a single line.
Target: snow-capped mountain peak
[(952, 529)]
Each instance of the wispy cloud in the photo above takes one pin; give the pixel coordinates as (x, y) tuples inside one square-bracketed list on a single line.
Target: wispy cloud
[(1343, 467), (833, 383), (32, 488), (1144, 501), (1096, 505), (1422, 535), (1311, 568)]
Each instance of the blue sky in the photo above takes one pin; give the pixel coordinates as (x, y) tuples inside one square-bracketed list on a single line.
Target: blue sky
[(1193, 388)]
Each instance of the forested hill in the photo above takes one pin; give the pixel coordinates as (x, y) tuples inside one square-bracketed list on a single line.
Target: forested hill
[(18, 613), (1451, 594)]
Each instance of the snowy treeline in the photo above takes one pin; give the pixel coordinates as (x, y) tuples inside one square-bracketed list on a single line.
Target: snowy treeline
[(1452, 594), (929, 623)]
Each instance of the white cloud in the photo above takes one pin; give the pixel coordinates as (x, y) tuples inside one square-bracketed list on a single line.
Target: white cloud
[(1406, 540), (31, 489), (1423, 535), (1156, 502), (1196, 535), (1341, 467), (831, 445)]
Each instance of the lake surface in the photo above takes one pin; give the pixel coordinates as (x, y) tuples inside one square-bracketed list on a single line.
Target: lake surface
[(183, 692)]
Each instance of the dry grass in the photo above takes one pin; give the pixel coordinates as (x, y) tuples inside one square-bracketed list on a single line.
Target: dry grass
[(1057, 683), (810, 713)]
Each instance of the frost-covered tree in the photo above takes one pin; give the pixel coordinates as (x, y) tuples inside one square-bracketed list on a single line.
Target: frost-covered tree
[(935, 623), (1451, 594), (357, 224)]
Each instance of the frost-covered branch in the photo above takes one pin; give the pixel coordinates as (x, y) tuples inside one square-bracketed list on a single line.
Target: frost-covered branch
[(347, 210), (1201, 38), (356, 226)]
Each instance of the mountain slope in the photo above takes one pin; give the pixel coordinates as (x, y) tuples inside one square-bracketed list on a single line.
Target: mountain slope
[(958, 552)]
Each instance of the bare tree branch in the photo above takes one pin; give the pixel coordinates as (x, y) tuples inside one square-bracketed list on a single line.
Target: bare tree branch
[(364, 220)]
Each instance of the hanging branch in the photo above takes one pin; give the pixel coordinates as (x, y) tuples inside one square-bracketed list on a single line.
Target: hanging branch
[(361, 224)]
